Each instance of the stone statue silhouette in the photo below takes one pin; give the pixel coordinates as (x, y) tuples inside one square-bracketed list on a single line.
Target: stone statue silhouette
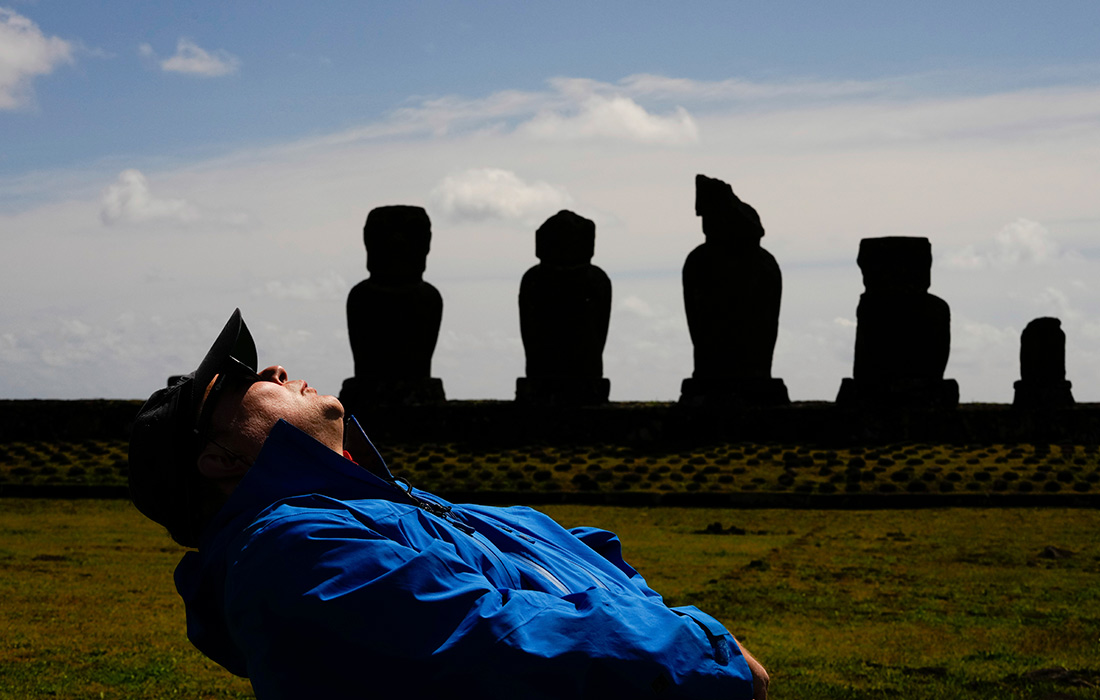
[(903, 333), (564, 310), (394, 315), (732, 290), (1042, 381)]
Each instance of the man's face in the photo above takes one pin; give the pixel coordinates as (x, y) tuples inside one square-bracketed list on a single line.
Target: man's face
[(246, 413)]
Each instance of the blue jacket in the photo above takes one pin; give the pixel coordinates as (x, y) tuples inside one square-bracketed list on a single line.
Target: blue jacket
[(321, 578)]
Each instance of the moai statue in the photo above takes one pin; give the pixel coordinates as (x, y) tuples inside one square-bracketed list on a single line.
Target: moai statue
[(394, 315), (903, 333), (1043, 367), (732, 288), (564, 309)]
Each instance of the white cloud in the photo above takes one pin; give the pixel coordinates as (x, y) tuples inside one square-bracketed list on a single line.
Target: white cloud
[(1091, 331), (328, 287), (796, 117), (1023, 242), (1026, 242), (648, 337), (733, 91), (143, 349), (13, 351), (493, 193), (965, 258), (480, 343), (659, 86), (812, 356), (1054, 302), (572, 109), (192, 59), (984, 360), (637, 306), (24, 54), (617, 117), (976, 339), (69, 342), (822, 177), (440, 114), (128, 201)]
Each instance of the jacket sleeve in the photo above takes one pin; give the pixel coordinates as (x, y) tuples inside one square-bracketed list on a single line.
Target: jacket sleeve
[(322, 606), (608, 546)]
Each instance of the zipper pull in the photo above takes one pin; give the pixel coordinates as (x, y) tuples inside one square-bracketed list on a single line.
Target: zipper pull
[(432, 507), (460, 525)]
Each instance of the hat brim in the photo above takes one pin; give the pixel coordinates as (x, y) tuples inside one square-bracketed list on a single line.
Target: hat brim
[(235, 341)]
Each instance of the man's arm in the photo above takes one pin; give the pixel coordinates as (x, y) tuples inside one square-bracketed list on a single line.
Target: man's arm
[(760, 678), (319, 603), (607, 545)]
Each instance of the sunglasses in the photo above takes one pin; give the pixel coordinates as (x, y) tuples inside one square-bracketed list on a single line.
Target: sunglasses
[(234, 375)]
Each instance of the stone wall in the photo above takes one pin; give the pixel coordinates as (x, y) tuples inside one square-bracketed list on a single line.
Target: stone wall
[(507, 423)]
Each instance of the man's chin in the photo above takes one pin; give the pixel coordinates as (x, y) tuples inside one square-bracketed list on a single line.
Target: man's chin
[(334, 410)]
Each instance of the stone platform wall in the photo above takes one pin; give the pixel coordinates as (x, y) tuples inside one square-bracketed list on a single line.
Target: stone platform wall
[(505, 423)]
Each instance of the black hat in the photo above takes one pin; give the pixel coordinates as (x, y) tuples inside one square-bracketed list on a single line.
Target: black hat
[(164, 444)]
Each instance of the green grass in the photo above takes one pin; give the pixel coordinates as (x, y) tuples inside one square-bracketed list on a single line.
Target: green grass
[(837, 604), (89, 610), (865, 604), (734, 468)]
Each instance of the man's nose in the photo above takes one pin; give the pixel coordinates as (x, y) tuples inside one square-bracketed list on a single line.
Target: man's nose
[(274, 373)]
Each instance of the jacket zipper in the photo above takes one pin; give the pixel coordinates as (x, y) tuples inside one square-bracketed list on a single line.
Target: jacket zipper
[(595, 579), (546, 574), (441, 511)]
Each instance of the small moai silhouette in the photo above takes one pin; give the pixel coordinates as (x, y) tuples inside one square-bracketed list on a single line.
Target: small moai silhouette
[(394, 315), (732, 291), (903, 333), (1042, 381), (564, 311)]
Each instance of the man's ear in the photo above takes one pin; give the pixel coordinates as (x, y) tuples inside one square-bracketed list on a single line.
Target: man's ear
[(216, 465)]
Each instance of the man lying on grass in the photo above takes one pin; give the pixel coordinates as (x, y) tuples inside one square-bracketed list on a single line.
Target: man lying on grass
[(320, 575)]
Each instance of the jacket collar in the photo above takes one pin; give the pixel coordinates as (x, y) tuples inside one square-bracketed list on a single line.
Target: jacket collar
[(292, 463), (363, 451)]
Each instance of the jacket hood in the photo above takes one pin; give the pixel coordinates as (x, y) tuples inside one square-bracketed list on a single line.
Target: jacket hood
[(291, 463)]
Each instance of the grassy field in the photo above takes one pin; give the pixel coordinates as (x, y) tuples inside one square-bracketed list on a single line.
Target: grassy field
[(927, 603), (903, 468)]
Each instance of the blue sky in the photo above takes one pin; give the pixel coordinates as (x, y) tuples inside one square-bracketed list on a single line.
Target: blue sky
[(147, 149), (312, 71)]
